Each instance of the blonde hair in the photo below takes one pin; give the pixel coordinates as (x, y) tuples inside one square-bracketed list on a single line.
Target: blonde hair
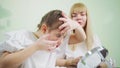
[(89, 36)]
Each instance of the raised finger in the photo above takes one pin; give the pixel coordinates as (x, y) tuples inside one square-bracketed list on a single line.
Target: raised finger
[(63, 26), (64, 15), (63, 19), (65, 30)]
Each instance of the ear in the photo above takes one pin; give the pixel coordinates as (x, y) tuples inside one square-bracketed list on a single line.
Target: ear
[(44, 28)]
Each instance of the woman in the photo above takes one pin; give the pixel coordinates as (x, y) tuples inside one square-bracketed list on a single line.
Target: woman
[(74, 51)]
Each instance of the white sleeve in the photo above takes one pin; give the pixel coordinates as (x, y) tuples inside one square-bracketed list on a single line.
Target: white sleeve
[(11, 44)]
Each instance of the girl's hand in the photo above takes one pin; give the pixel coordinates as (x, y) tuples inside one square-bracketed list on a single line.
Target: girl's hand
[(68, 24), (73, 61)]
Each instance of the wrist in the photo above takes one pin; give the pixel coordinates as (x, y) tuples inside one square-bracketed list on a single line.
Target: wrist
[(74, 25), (35, 46), (68, 62)]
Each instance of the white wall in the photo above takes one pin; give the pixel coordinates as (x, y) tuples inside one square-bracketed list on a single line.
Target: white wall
[(26, 14)]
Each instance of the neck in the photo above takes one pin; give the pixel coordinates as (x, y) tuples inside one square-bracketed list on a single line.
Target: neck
[(38, 34)]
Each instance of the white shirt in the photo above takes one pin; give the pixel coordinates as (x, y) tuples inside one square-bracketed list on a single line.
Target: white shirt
[(81, 49), (21, 39)]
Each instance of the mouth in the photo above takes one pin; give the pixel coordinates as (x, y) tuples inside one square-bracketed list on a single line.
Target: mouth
[(80, 23)]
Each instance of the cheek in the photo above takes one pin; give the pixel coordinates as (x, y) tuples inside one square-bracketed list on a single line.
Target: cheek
[(85, 19), (74, 18), (83, 24)]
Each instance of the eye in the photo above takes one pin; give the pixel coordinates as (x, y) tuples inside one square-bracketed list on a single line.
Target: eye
[(74, 15), (83, 14)]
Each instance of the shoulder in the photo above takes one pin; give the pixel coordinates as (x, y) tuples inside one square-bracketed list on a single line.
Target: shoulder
[(14, 41), (16, 34)]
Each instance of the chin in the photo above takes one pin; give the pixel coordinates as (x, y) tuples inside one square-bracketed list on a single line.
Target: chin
[(83, 26)]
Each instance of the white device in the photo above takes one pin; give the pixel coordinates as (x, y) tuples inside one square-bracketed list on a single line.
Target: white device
[(93, 58)]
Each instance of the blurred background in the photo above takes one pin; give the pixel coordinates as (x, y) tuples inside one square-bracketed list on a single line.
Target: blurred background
[(26, 14)]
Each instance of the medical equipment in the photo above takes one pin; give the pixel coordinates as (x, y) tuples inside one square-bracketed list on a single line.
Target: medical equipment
[(93, 58)]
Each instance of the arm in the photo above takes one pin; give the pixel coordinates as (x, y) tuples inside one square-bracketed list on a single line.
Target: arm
[(102, 65), (67, 62), (61, 62), (79, 34), (13, 60)]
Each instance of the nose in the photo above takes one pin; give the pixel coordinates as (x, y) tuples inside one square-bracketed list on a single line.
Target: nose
[(79, 16)]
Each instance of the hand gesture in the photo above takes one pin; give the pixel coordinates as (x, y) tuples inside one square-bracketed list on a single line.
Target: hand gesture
[(68, 24), (43, 43)]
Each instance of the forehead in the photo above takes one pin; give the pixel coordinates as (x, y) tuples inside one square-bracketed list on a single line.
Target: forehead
[(57, 31), (79, 10)]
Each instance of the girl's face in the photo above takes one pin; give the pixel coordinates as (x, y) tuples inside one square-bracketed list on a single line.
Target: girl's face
[(80, 17)]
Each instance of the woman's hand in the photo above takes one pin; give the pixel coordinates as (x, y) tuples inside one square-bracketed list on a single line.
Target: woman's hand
[(102, 65), (72, 62), (68, 24)]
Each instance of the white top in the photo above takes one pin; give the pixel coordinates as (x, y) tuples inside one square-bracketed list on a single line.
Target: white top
[(21, 39), (81, 48)]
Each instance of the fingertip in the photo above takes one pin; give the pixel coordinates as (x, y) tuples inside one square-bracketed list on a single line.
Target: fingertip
[(64, 15), (59, 18), (60, 27)]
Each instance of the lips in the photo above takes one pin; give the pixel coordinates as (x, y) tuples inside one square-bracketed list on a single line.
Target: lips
[(79, 20), (80, 23)]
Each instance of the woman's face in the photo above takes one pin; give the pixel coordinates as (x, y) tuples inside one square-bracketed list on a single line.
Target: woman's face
[(80, 17)]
